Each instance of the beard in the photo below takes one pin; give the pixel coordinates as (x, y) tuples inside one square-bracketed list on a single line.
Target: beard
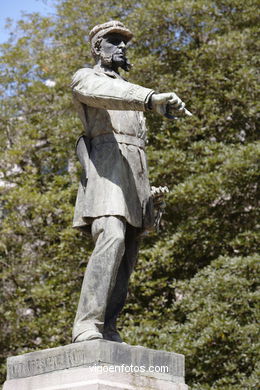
[(126, 65), (109, 60)]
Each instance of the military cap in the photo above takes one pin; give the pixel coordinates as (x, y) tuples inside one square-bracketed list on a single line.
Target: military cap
[(110, 27)]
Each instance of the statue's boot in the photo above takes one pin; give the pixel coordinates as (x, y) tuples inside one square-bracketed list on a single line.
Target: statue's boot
[(111, 333), (91, 333)]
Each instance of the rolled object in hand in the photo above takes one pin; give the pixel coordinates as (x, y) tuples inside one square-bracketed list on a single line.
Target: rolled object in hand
[(169, 108), (187, 112)]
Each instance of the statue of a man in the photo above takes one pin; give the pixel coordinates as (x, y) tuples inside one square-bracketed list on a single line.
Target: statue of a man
[(114, 197)]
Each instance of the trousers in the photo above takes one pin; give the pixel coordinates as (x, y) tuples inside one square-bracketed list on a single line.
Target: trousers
[(105, 284)]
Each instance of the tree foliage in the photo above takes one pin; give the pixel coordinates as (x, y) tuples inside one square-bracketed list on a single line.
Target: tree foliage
[(194, 290)]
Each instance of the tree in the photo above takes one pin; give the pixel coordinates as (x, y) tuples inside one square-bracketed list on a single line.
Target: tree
[(194, 288)]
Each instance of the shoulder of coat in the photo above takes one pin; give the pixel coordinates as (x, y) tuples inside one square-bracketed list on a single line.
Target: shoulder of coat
[(80, 75)]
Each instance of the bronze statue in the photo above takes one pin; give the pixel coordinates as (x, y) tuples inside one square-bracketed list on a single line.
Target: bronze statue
[(114, 198)]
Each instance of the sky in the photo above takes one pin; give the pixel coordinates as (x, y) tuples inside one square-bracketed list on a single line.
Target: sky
[(13, 9)]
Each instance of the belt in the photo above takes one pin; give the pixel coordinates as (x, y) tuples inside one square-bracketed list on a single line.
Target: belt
[(118, 138)]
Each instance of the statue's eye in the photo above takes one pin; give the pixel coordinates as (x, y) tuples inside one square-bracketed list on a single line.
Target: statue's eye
[(115, 41)]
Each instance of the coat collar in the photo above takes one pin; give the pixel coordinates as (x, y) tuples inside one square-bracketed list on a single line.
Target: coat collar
[(107, 71)]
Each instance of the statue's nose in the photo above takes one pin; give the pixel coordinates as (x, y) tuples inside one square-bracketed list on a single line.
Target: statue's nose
[(122, 45)]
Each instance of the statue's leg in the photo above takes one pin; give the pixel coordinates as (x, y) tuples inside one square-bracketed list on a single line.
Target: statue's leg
[(118, 297), (100, 277)]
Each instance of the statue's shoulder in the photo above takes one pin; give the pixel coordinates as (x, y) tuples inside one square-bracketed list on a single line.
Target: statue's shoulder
[(81, 74)]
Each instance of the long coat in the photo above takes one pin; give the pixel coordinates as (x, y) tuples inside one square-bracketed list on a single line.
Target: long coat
[(115, 181)]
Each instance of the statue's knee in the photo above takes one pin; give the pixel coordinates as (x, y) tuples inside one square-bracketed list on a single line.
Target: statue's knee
[(116, 231), (118, 238)]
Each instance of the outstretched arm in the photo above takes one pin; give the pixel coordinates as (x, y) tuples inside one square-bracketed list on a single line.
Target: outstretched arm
[(97, 90)]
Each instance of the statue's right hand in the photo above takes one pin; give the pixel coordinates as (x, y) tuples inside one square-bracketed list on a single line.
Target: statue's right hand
[(166, 103)]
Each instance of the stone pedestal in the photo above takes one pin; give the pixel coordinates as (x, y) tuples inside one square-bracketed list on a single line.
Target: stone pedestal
[(96, 365)]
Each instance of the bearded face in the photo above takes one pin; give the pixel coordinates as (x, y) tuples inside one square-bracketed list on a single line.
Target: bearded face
[(110, 50)]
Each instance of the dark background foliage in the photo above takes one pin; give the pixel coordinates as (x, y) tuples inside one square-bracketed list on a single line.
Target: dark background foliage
[(194, 290)]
